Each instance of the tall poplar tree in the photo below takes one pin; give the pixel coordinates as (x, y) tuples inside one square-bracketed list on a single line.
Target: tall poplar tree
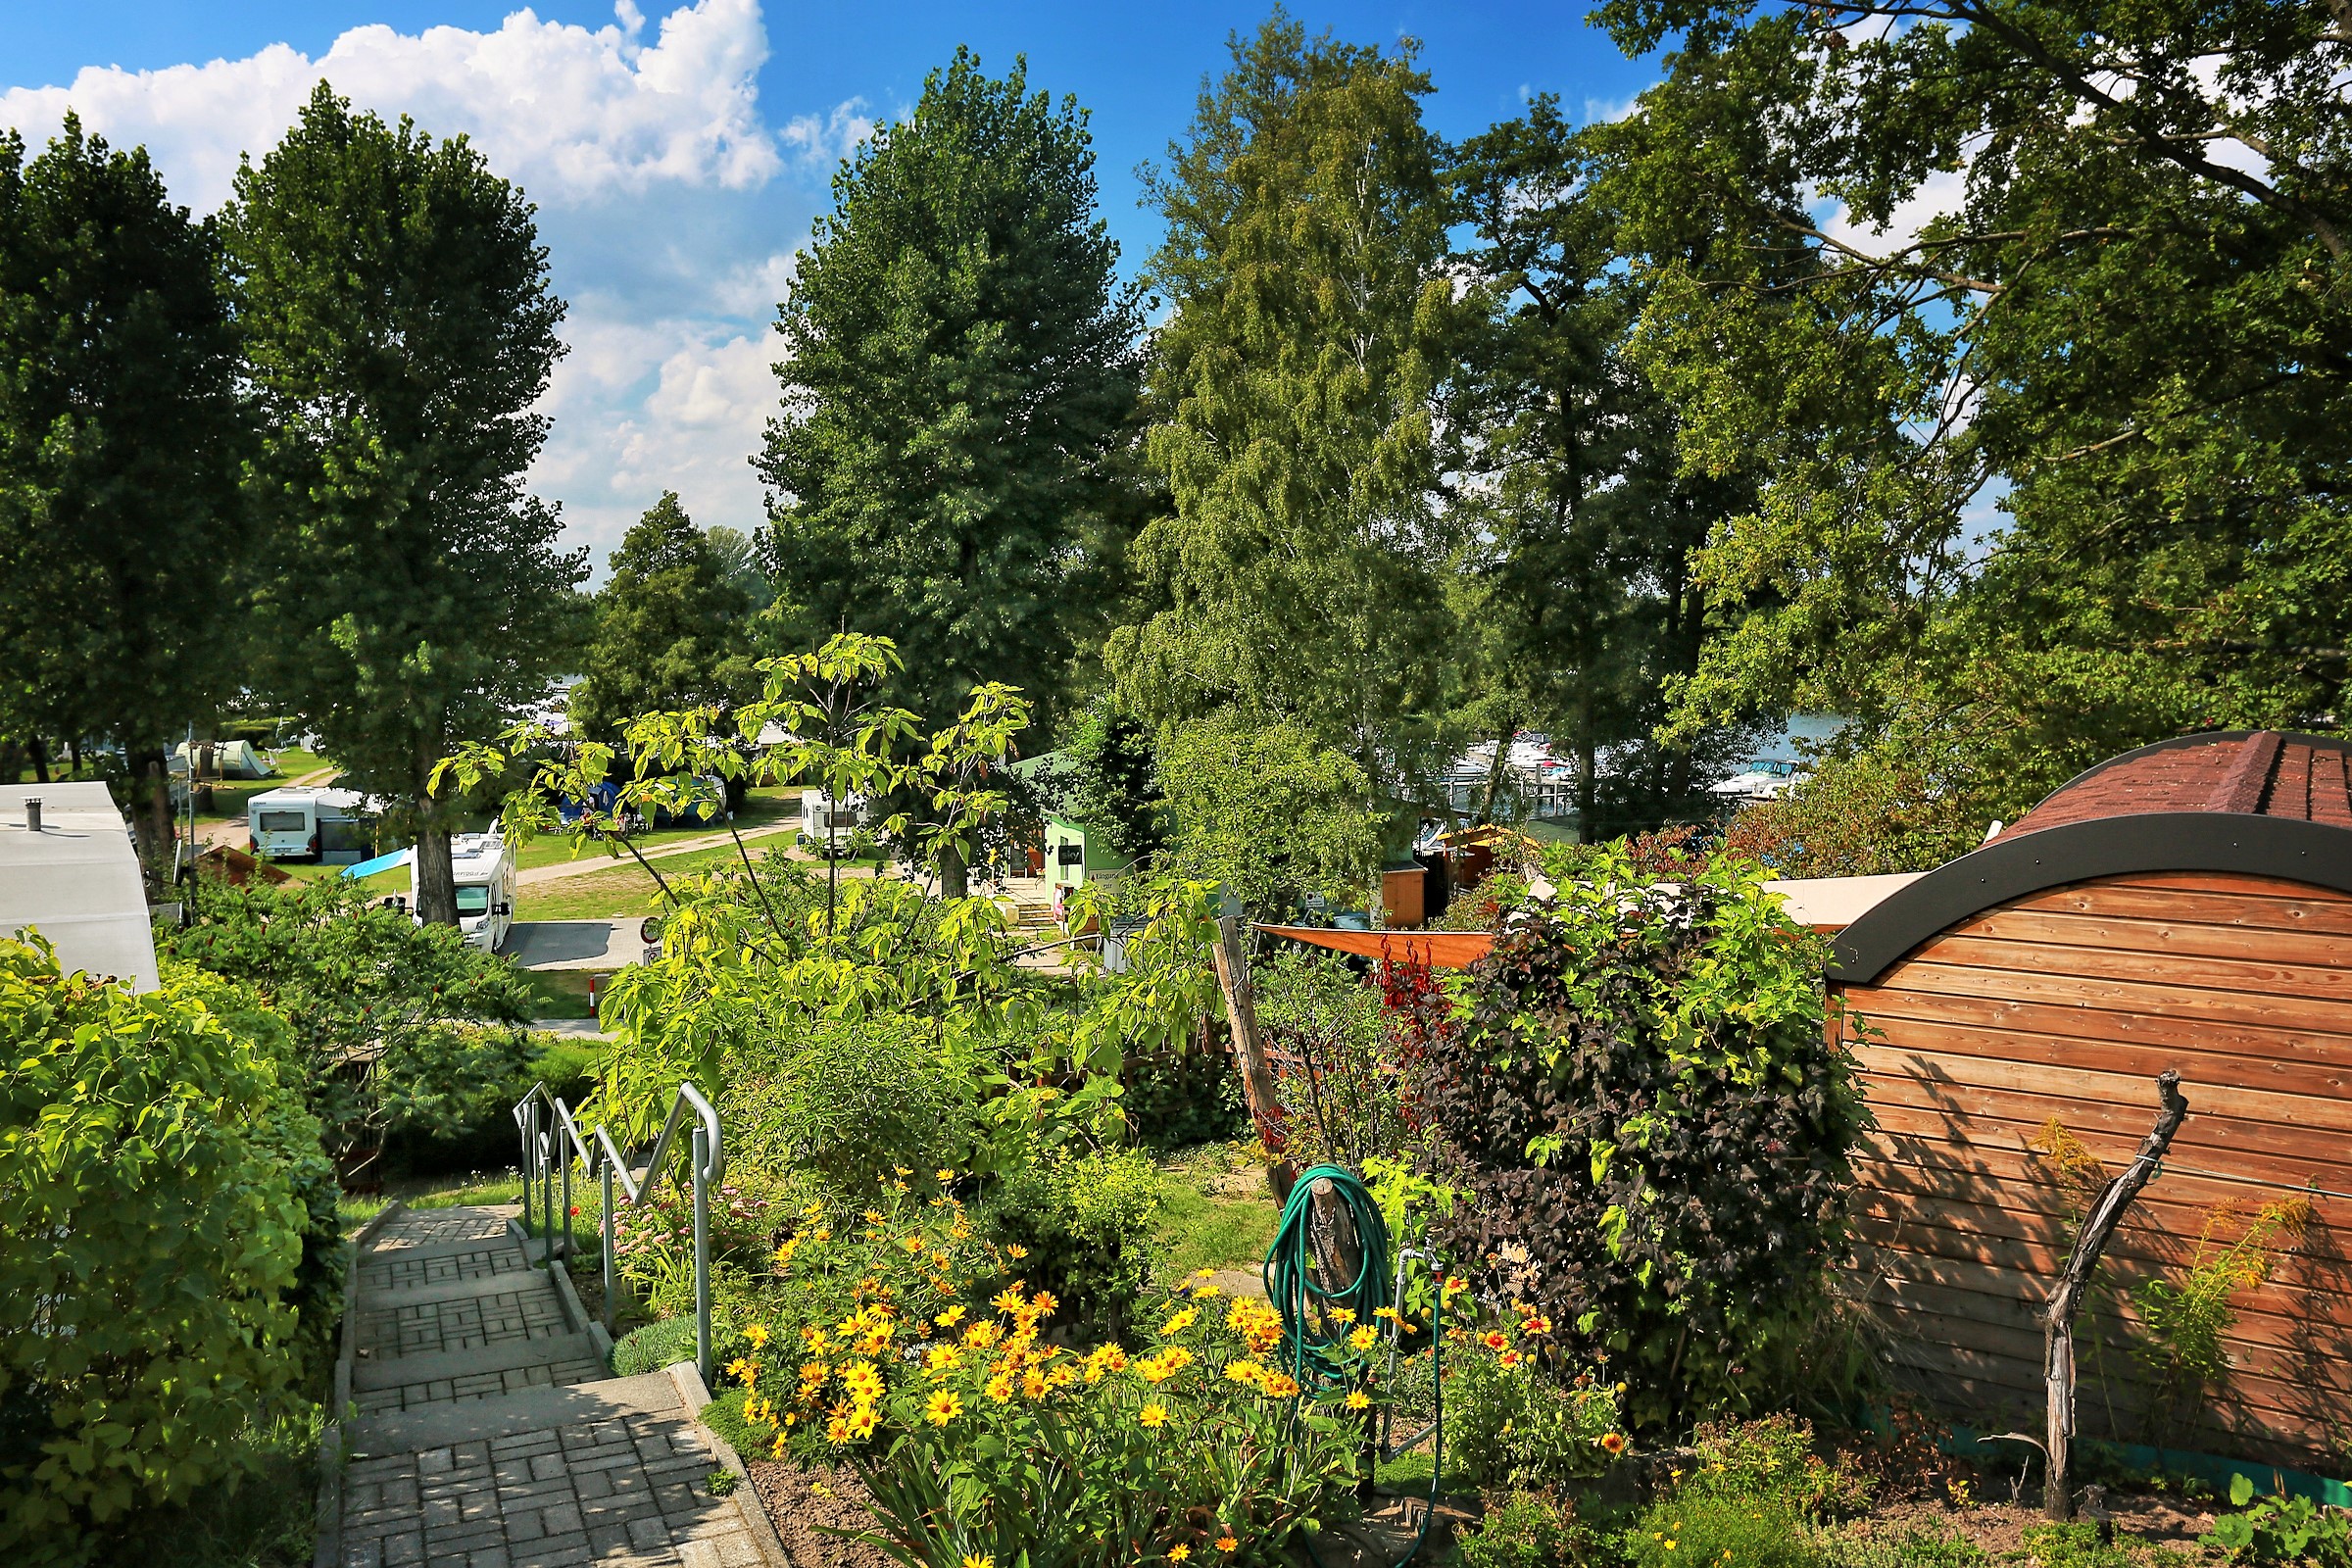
[(400, 328), (670, 628), (1299, 575), (960, 372), (120, 432)]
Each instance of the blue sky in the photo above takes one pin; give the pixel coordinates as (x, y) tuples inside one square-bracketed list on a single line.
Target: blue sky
[(680, 153)]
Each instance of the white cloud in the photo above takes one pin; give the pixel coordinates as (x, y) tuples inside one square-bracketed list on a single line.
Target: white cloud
[(670, 206), (571, 114)]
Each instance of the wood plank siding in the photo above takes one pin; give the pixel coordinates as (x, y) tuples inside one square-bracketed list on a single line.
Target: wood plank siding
[(2066, 1004)]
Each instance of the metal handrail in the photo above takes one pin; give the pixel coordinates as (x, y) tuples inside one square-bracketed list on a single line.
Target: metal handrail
[(603, 1157)]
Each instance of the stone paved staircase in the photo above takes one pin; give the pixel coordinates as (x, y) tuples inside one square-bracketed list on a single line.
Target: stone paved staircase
[(489, 1435)]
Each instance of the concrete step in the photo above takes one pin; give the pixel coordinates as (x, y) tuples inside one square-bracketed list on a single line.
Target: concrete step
[(391, 1371), (506, 1282), (436, 1426)]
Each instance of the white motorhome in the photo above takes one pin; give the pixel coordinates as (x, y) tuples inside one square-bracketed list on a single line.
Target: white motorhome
[(484, 874), (310, 823), (823, 818)]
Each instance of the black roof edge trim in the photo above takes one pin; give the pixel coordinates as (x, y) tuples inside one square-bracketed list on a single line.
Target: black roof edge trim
[(2204, 737), (2315, 852)]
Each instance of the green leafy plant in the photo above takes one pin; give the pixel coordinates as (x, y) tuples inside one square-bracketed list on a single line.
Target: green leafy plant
[(1510, 1422), (1719, 1529), (2094, 1544), (1524, 1530), (1635, 1089), (1086, 1225), (159, 1186), (2282, 1529), (2189, 1318), (1195, 1446), (1772, 1458)]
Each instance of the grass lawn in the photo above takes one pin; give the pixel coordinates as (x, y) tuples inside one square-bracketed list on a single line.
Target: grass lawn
[(1214, 1213), (561, 993), (626, 890)]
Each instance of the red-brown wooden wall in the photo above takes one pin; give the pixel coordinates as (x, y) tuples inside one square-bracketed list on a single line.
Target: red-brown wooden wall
[(2067, 1004)]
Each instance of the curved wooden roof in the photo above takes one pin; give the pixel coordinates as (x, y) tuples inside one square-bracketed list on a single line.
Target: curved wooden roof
[(2266, 802)]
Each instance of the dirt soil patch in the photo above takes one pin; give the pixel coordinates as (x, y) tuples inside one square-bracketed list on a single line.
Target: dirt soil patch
[(803, 1504), (1998, 1528)]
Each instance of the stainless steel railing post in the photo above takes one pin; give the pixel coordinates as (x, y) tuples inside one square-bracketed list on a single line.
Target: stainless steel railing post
[(702, 1253), (564, 1209), (607, 1166)]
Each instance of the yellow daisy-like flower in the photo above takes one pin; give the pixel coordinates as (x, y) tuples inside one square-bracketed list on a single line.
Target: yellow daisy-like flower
[(980, 1335), (943, 1358), (862, 1422), (1279, 1385), (1008, 1300), (941, 1408), (1016, 1251), (861, 1380), (1365, 1337), (1246, 1373), (945, 1175), (1343, 1314), (1228, 1544), (1044, 1304), (757, 1333), (837, 1430), (1153, 1415), (1178, 1324), (1033, 1386), (951, 1317), (970, 1562), (1357, 1400), (1179, 1552), (1205, 1290), (914, 1244), (1000, 1389)]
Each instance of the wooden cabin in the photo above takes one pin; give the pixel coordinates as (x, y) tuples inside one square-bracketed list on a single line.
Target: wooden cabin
[(2187, 906)]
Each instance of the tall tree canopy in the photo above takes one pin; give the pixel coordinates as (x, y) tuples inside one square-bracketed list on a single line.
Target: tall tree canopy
[(1299, 576), (2095, 255), (670, 628), (1579, 599), (961, 370), (121, 432), (399, 329)]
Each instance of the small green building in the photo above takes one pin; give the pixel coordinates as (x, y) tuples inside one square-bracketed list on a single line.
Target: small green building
[(1075, 855)]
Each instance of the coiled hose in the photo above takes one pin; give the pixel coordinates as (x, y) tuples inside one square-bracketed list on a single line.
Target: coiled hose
[(1312, 1338)]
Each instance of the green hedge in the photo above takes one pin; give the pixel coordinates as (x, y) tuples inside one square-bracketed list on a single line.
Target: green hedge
[(167, 1246)]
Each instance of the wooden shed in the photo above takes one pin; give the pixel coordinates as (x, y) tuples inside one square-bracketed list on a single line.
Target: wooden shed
[(2188, 905)]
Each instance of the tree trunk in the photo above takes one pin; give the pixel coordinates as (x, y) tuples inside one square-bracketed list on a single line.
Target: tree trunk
[(1495, 775), (151, 811), (1249, 1054), (1587, 781), (954, 877), (436, 881), (40, 759), (2058, 1318)]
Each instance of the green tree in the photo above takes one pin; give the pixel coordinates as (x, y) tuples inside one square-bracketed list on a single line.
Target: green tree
[(399, 331), (736, 556), (962, 369), (1299, 578), (1579, 590), (2129, 304), (1268, 811), (1112, 781), (121, 432), (670, 628)]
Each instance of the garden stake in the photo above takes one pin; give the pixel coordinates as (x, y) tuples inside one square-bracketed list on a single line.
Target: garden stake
[(1249, 1050), (2058, 1321)]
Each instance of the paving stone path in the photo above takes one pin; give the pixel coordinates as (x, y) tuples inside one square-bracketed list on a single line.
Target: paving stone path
[(489, 1434)]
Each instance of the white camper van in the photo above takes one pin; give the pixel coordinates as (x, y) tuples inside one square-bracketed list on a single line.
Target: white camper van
[(320, 824), (484, 874), (824, 818)]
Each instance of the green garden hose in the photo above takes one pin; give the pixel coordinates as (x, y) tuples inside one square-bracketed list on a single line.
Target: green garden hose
[(1311, 1336)]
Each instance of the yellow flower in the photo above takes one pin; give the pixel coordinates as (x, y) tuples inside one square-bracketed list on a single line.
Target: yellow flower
[(1365, 1337), (914, 1244), (1614, 1442), (943, 1358), (785, 1252), (1178, 1324), (951, 1317), (941, 1408), (1246, 1373), (1008, 1300), (837, 1430), (1016, 1251), (1153, 1415), (1179, 1552), (901, 1170), (1228, 1544), (1033, 1386), (970, 1562), (743, 1372), (757, 1335), (1203, 1290), (945, 1175), (1357, 1400), (861, 1380), (999, 1388), (1279, 1385), (980, 1335), (862, 1422), (1043, 1303), (1343, 1314)]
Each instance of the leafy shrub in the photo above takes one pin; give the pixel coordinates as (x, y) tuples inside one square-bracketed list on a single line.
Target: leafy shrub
[(1772, 1458), (160, 1190), (1634, 1090), (654, 1347), (1524, 1530), (1176, 1098), (1268, 811), (1083, 1228), (851, 1099), (1338, 1057), (1508, 1424), (1918, 1546), (993, 1445), (2282, 1529), (2097, 1545), (1482, 907), (1714, 1530)]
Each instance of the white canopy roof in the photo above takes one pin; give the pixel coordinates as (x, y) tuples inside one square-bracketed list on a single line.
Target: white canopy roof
[(76, 881)]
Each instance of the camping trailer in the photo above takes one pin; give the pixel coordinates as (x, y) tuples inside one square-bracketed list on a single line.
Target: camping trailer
[(484, 874), (332, 826)]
